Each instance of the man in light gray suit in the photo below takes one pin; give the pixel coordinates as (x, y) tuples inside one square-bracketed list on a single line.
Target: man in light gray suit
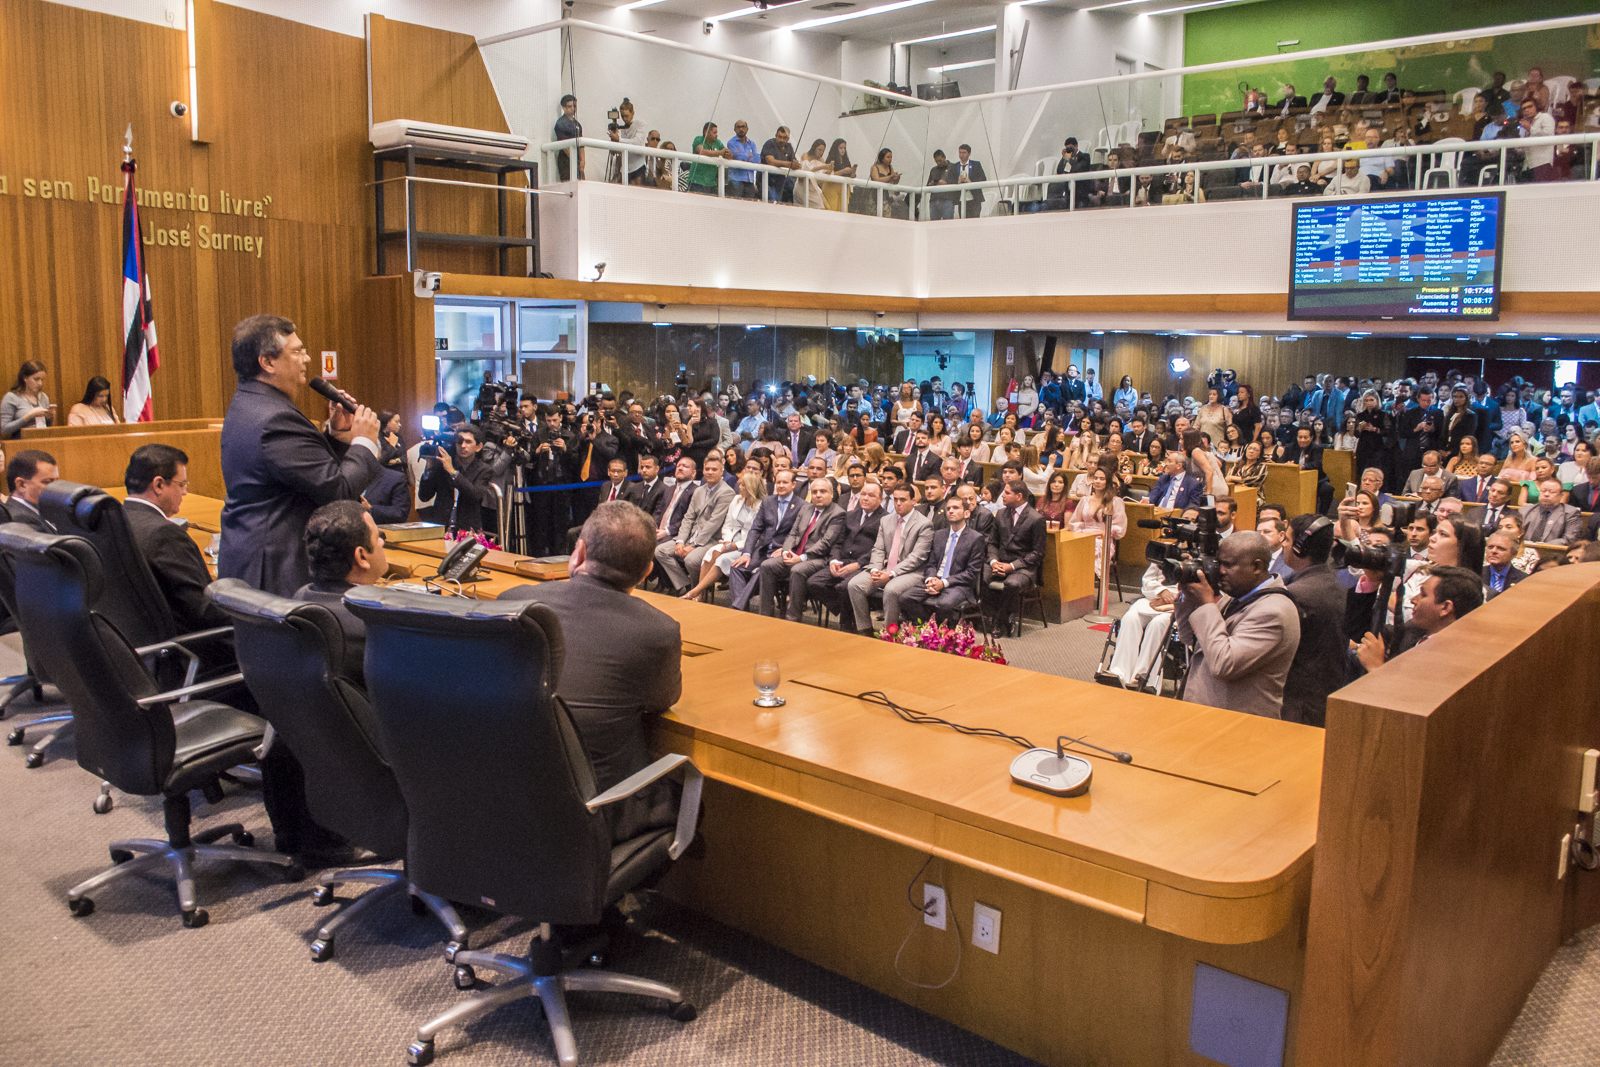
[(1550, 522), (1244, 634), (818, 523), (681, 556), (896, 564), (1449, 483)]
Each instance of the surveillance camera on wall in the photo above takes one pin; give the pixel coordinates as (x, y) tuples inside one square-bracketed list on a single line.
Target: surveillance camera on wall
[(599, 270), (426, 283), (879, 314), (706, 26), (178, 109)]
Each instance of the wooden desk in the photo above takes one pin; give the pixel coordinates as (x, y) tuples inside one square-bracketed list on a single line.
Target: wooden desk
[(102, 459), (1339, 464), (30, 433), (1067, 577), (1131, 549), (1292, 487)]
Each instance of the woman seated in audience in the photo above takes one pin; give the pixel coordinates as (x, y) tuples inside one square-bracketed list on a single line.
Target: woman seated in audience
[(772, 439), (874, 458), (760, 459), (1347, 438), (1575, 471), (823, 448), (864, 433), (995, 451), (1322, 171), (1569, 440), (1585, 495), (735, 529), (1083, 484), (733, 465), (1319, 433), (1054, 503), (1270, 448), (1543, 468), (95, 407), (1155, 456), (938, 437), (1127, 462), (1126, 395), (972, 432), (1456, 542), (1465, 463), (1251, 470), (1052, 445), (26, 404), (1524, 557), (844, 452)]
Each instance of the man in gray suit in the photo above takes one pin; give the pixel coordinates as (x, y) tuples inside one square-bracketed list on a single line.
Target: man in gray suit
[(682, 555), (1244, 634), (277, 465), (1449, 483), (817, 525), (896, 565), (622, 658), (1550, 522)]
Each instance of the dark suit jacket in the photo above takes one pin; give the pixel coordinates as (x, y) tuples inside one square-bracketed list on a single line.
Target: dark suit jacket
[(971, 471), (633, 443), (974, 173), (28, 515), (1321, 661), (649, 497), (902, 441), (1584, 495), (1139, 443), (1291, 454), (981, 520), (622, 666), (966, 566), (390, 496), (1288, 101), (1513, 576), (331, 594), (808, 441), (278, 468), (1335, 98), (625, 493), (923, 465), (1189, 496), (767, 533), (828, 530), (860, 534), (175, 561), (1022, 543)]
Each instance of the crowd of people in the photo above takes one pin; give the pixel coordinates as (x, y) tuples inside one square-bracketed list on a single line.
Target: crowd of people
[(1262, 131)]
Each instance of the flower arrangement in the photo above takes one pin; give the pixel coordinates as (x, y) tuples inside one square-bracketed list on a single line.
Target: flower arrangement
[(958, 640), (475, 535)]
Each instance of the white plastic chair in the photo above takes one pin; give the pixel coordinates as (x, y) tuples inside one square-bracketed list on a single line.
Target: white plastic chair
[(1444, 163), (1129, 132), (1104, 139), (1467, 96), (1560, 88)]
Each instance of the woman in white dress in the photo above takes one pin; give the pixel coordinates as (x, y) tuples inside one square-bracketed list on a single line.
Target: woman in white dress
[(900, 411), (735, 529), (1206, 466), (1104, 501), (808, 193)]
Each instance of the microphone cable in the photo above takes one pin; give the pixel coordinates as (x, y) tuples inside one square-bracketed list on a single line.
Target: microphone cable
[(917, 718)]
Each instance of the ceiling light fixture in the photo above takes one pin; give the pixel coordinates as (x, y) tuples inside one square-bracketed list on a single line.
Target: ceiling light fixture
[(962, 66), (1192, 7), (1107, 7), (947, 36), (640, 3), (882, 9), (1179, 365)]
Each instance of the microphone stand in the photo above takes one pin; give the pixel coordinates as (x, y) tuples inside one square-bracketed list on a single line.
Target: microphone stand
[(1103, 602)]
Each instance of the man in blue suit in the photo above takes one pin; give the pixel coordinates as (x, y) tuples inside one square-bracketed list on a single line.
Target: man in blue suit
[(768, 530), (955, 566), (1176, 488)]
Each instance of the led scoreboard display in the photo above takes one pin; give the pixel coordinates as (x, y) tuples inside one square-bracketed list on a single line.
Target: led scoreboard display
[(1434, 257)]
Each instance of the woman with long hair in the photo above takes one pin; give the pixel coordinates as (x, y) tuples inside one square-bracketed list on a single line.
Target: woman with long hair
[(1524, 557), (1233, 442), (995, 451), (874, 458), (1518, 465), (864, 432), (1357, 515), (1373, 425), (1213, 416), (1251, 469), (1054, 503), (1512, 416), (735, 529), (844, 452), (833, 193), (1347, 438), (1204, 463), (938, 437), (1247, 415), (1154, 458), (26, 404), (703, 430), (95, 407), (391, 442), (905, 406), (1126, 395), (1467, 460), (1103, 503), (808, 190)]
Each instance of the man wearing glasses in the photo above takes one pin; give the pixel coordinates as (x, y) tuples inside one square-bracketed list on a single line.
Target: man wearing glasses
[(277, 465)]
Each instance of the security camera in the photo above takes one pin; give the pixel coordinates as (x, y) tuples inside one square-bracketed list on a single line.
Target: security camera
[(599, 270), (879, 314), (178, 109), (426, 283), (661, 307), (706, 26)]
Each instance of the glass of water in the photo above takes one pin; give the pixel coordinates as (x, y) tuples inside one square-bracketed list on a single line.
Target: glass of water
[(765, 676)]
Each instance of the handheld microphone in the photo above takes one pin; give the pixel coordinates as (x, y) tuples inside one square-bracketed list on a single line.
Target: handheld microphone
[(322, 387), (1144, 524), (1063, 741)]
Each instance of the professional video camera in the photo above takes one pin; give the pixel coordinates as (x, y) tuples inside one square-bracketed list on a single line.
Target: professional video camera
[(496, 398), (1188, 550), (1388, 560), (435, 439)]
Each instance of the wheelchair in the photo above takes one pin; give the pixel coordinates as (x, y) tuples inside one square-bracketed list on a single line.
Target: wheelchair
[(1174, 663)]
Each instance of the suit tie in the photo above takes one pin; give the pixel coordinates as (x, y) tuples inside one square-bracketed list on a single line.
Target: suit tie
[(949, 554), (894, 545), (672, 505), (616, 491), (1491, 518), (812, 525), (588, 454)]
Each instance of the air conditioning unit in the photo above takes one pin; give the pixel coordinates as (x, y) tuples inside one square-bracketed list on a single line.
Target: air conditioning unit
[(397, 132)]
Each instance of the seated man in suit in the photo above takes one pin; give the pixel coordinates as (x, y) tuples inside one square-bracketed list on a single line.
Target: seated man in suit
[(922, 461), (1496, 504), (979, 517), (345, 549), (1431, 494), (646, 493), (768, 531), (675, 501), (616, 487), (968, 469), (905, 438), (390, 496), (29, 471), (956, 556), (1431, 467), (623, 658), (1176, 488), (681, 556), (898, 556), (157, 479), (1550, 522), (851, 553), (1016, 549), (1498, 573), (1308, 456), (818, 523)]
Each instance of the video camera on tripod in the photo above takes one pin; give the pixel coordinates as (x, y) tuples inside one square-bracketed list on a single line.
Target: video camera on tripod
[(1187, 550)]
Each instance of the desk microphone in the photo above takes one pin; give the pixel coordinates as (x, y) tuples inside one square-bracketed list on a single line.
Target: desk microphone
[(322, 387), (1063, 741)]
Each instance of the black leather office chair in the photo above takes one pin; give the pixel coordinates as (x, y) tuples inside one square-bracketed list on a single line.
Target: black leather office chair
[(501, 793), (131, 600), (143, 741), (29, 679), (292, 656)]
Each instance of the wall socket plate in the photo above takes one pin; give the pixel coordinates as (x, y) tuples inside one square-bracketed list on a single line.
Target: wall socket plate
[(986, 927), (934, 905), (1566, 851)]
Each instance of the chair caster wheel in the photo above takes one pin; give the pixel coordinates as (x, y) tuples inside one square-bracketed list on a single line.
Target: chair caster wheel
[(596, 959), (451, 948), (321, 950), (103, 803), (195, 919), (120, 855), (419, 1053), (294, 873), (16, 736), (81, 907), (418, 906), (682, 1012), (322, 896), (35, 759), (465, 977), (245, 839)]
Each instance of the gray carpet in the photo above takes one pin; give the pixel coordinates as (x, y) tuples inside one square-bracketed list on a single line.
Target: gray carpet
[(130, 985)]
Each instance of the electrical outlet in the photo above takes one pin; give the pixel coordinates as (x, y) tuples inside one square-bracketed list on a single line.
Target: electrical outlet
[(933, 904), (1566, 850), (986, 927)]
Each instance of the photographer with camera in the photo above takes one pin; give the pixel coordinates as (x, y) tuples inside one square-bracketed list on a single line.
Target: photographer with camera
[(549, 464), (1242, 625), (460, 482), (1320, 663), (1447, 594), (592, 451)]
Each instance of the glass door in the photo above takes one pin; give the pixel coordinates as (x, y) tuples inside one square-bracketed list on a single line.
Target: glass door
[(471, 340)]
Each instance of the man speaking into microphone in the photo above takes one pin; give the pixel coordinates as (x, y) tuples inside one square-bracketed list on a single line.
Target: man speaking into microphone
[(278, 466)]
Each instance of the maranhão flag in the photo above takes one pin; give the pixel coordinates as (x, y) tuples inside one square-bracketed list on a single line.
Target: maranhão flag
[(139, 359)]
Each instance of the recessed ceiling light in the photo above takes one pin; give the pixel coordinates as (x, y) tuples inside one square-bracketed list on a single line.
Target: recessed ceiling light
[(946, 36), (1549, 338), (881, 9), (1513, 334), (1232, 331), (962, 66)]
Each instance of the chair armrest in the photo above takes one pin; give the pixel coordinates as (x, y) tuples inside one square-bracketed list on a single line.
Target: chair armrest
[(178, 642), (688, 805), (188, 691)]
